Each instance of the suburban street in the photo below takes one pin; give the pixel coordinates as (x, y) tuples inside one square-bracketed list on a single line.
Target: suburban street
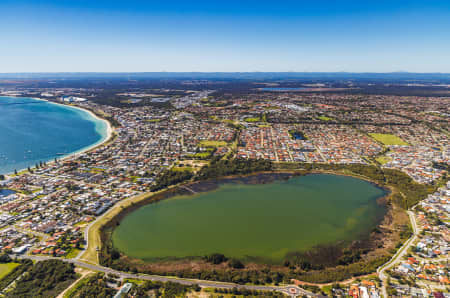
[(399, 255), (291, 290)]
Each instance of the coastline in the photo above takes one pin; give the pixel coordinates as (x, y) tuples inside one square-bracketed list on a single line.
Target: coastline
[(104, 138)]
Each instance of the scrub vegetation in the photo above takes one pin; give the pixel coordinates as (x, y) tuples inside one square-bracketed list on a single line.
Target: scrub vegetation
[(44, 279), (325, 265)]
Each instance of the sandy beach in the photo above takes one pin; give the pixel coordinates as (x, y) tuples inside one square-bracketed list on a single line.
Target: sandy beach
[(107, 137), (104, 139)]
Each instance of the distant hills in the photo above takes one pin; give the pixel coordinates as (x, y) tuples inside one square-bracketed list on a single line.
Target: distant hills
[(407, 76)]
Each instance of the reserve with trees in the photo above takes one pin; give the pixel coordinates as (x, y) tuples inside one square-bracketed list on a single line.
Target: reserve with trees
[(44, 279), (319, 265)]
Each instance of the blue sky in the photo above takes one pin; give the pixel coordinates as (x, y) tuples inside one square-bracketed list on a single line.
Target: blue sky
[(319, 35)]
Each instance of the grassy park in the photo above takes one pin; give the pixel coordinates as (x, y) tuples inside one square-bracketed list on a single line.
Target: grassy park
[(324, 118), (7, 268), (181, 169), (383, 159), (252, 119), (209, 143), (388, 139)]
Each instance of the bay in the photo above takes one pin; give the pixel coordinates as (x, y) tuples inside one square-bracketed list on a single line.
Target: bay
[(33, 130)]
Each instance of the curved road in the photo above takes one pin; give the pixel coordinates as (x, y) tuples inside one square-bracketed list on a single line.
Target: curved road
[(87, 229), (204, 283), (399, 254), (290, 290), (294, 291)]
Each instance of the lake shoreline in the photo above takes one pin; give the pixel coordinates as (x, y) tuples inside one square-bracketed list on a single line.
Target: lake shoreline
[(197, 187)]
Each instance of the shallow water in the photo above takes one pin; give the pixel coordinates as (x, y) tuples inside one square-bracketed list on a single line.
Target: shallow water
[(33, 130), (263, 221)]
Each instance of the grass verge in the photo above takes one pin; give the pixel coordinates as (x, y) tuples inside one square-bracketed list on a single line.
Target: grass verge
[(7, 268), (91, 254)]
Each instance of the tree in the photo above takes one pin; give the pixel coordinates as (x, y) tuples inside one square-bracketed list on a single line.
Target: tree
[(216, 258), (44, 279), (235, 263), (4, 258), (171, 177), (115, 254)]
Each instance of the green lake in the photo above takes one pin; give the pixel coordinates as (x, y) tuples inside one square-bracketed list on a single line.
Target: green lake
[(262, 221)]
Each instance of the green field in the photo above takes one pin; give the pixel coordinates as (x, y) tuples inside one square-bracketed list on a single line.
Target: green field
[(72, 253), (252, 120), (181, 169), (7, 268), (324, 118), (253, 222), (388, 139), (383, 159), (207, 143), (202, 155)]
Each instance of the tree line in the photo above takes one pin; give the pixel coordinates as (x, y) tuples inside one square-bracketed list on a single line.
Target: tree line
[(171, 177), (324, 264), (217, 168), (408, 192), (235, 166), (44, 279)]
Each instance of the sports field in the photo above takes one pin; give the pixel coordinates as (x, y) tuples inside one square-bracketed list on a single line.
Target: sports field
[(210, 143), (252, 119), (388, 139), (383, 159)]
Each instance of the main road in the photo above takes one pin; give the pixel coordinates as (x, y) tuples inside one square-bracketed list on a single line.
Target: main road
[(399, 254), (291, 290)]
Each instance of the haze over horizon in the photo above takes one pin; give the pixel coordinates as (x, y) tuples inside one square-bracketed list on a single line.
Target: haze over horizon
[(236, 36)]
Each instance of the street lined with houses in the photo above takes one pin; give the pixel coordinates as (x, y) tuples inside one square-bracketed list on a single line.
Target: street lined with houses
[(51, 208)]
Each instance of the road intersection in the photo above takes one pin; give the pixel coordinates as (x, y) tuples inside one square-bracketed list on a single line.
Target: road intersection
[(291, 290)]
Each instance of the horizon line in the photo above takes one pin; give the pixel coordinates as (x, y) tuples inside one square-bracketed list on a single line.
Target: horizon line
[(291, 72)]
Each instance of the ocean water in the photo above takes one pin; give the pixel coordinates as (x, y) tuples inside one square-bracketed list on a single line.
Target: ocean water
[(33, 130)]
